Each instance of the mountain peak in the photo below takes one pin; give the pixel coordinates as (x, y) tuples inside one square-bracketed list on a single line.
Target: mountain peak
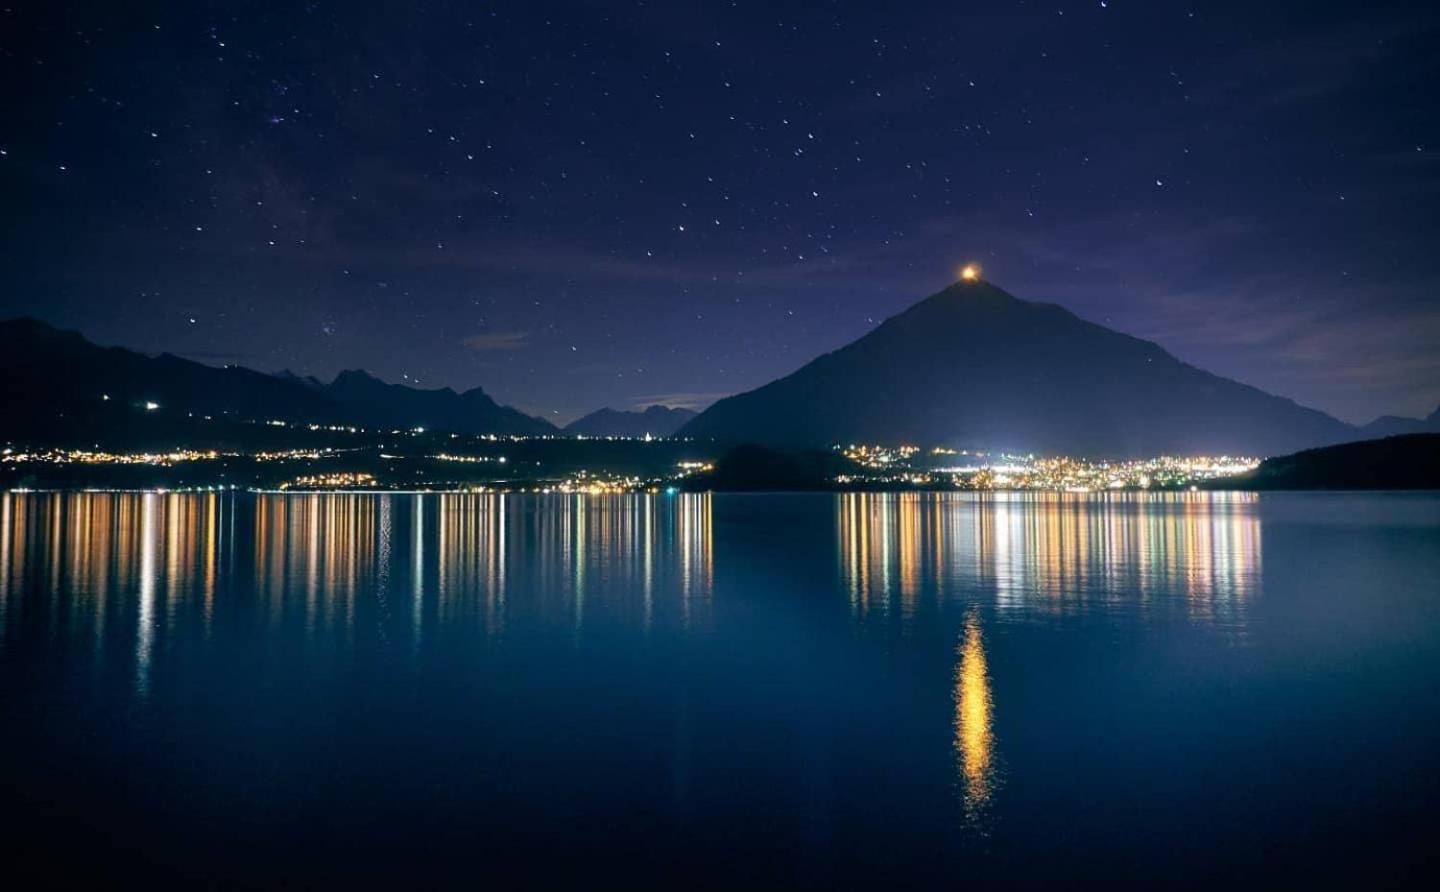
[(656, 420), (355, 376), (28, 327), (21, 323), (973, 366)]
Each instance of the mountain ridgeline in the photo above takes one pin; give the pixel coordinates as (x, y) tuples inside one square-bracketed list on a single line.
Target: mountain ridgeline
[(1395, 425), (655, 421), (57, 386), (974, 367), (969, 367)]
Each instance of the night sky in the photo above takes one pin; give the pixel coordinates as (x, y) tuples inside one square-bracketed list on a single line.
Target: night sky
[(587, 204)]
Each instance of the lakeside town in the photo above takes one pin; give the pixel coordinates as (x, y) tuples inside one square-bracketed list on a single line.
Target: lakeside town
[(415, 460)]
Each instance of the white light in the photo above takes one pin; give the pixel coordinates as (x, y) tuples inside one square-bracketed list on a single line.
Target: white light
[(149, 406)]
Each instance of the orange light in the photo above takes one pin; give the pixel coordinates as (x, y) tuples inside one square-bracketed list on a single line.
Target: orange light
[(970, 272)]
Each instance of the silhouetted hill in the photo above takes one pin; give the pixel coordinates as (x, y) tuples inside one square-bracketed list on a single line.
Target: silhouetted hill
[(974, 366), (1393, 425), (57, 384), (1411, 461), (657, 421)]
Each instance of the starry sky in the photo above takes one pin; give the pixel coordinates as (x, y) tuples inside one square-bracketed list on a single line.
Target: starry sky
[(585, 204)]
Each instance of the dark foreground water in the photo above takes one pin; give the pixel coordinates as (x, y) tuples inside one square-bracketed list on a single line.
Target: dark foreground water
[(860, 690)]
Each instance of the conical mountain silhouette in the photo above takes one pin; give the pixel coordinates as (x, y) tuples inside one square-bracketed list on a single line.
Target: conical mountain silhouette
[(974, 366)]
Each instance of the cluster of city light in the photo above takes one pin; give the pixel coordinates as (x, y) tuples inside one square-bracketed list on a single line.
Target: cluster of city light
[(335, 480), (981, 470), (596, 484), (618, 438), (879, 456), (1084, 475), (96, 457), (469, 459), (335, 428), (604, 483), (297, 454)]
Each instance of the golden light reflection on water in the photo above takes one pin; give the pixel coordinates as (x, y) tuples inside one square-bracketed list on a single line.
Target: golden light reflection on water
[(1053, 554), (338, 566), (1193, 556), (974, 726)]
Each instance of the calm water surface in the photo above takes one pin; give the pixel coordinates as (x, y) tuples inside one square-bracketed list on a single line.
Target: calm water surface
[(896, 690)]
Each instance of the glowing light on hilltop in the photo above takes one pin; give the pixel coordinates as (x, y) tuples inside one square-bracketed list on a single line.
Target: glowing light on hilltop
[(970, 272)]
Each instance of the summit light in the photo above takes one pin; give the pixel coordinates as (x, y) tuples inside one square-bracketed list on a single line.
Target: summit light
[(970, 272)]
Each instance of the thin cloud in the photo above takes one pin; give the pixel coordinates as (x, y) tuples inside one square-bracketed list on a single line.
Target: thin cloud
[(497, 341), (696, 401)]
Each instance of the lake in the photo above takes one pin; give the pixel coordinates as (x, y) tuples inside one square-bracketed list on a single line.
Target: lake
[(714, 690)]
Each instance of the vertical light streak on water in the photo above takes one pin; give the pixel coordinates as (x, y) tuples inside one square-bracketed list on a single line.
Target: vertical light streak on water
[(845, 521), (974, 726), (495, 508), (502, 553), (1006, 596), (312, 561), (230, 537), (685, 561), (444, 517), (582, 512), (907, 509), (176, 581), (887, 541), (145, 622), (708, 528), (648, 532), (382, 564), (417, 581), (212, 537), (6, 501)]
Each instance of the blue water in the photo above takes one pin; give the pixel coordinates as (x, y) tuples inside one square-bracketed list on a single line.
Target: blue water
[(691, 690)]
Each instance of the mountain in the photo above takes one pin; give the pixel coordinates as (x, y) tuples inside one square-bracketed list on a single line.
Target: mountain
[(52, 379), (379, 404), (57, 383), (1392, 425), (1411, 461), (657, 421), (975, 367)]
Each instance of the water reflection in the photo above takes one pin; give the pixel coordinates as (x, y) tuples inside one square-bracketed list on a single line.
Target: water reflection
[(863, 682), (337, 568), (974, 727), (1053, 554)]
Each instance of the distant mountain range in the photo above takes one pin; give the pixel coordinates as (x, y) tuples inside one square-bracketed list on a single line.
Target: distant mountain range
[(468, 412), (657, 421), (975, 367), (1394, 425), (56, 383), (969, 367)]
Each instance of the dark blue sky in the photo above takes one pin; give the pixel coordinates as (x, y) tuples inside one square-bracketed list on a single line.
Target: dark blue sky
[(583, 204)]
